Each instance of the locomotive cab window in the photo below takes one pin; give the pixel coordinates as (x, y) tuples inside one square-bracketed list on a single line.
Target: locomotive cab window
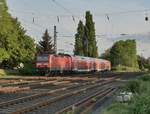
[(42, 58)]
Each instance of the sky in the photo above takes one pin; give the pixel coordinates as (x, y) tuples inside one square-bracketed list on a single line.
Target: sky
[(47, 12)]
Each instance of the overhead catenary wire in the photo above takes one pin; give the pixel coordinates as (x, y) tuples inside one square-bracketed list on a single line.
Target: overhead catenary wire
[(35, 16), (35, 25), (65, 9), (80, 15), (111, 13), (61, 6)]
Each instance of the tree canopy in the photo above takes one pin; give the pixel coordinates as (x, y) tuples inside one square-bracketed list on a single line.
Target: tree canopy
[(15, 45), (45, 45), (144, 64), (79, 39), (85, 38), (124, 53)]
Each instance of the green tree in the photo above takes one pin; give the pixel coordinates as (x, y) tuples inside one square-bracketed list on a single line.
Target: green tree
[(79, 40), (3, 55), (143, 63), (46, 45), (124, 53), (15, 45), (90, 31), (24, 47), (106, 55), (85, 38)]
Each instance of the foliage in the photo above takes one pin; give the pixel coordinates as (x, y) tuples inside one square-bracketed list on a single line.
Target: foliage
[(79, 40), (123, 57), (90, 32), (123, 53), (145, 78), (106, 55), (3, 55), (29, 69), (46, 46), (117, 108), (2, 72), (15, 45), (121, 68), (140, 103), (5, 72), (133, 86), (85, 39), (144, 63)]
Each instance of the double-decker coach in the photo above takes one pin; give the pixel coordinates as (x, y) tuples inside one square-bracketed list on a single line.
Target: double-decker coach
[(51, 63)]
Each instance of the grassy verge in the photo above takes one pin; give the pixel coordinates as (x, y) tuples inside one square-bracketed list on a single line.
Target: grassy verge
[(28, 70), (140, 103), (4, 72), (125, 69)]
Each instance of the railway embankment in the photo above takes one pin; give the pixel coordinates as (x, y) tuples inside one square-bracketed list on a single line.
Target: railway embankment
[(139, 102)]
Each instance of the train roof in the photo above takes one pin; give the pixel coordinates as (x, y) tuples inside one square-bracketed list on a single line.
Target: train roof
[(80, 57), (91, 58), (83, 57), (104, 60), (53, 54)]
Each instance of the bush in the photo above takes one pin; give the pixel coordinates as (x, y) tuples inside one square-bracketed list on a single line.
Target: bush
[(133, 86), (121, 68), (4, 72), (140, 103), (145, 78), (28, 69), (117, 108)]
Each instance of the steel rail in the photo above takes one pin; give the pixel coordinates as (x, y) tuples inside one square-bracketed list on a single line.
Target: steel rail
[(35, 96), (47, 102), (86, 101)]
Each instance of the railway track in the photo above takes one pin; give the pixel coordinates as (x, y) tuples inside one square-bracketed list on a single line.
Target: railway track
[(24, 83), (86, 104), (22, 105), (35, 82), (40, 86), (76, 95), (65, 102)]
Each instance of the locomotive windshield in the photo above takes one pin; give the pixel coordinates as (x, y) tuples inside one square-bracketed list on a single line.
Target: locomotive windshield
[(42, 58)]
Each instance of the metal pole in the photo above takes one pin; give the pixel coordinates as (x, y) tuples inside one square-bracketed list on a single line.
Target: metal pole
[(142, 66), (55, 40)]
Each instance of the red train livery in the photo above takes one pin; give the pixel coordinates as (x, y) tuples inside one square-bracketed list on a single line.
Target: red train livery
[(50, 63)]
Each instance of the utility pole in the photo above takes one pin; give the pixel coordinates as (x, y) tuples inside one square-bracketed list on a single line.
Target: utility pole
[(55, 40), (142, 66)]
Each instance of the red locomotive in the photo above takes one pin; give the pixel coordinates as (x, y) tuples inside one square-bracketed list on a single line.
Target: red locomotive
[(50, 63)]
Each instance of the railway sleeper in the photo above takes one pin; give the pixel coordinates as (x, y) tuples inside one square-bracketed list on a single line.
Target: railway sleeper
[(82, 102), (48, 102), (25, 99), (87, 106)]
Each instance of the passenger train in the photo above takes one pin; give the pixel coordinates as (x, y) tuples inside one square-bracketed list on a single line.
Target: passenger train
[(62, 63)]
